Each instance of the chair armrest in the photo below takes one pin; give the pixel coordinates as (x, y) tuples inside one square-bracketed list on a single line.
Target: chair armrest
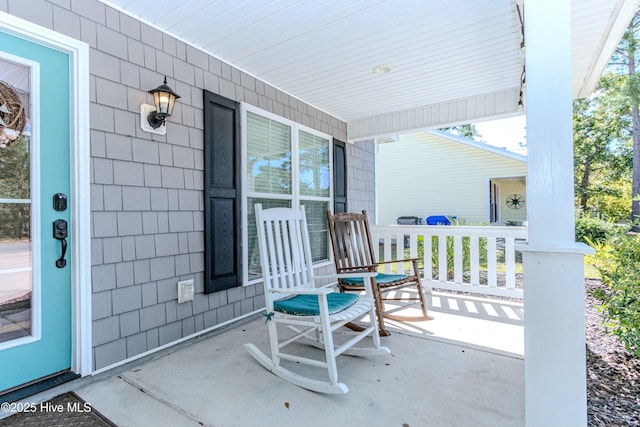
[(368, 289), (358, 274), (413, 270), (399, 260), (358, 269), (348, 275), (305, 291)]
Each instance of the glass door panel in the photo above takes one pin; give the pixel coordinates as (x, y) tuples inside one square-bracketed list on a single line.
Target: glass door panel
[(16, 283)]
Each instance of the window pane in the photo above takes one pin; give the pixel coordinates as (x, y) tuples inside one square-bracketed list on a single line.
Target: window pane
[(318, 230), (15, 271), (314, 165), (268, 155), (255, 271), (16, 281)]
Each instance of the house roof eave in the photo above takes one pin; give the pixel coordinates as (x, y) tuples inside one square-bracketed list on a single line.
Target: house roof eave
[(479, 145), (612, 36)]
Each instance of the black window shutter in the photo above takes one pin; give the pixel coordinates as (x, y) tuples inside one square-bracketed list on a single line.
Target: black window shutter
[(339, 176), (221, 193)]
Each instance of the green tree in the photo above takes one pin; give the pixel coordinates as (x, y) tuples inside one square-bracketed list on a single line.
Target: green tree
[(467, 131), (625, 62), (602, 150), (15, 184)]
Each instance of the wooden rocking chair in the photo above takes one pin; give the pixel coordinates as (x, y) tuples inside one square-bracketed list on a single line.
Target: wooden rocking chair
[(353, 252), (315, 315)]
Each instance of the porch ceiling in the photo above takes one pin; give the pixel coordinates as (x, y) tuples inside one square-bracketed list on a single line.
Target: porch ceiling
[(441, 51)]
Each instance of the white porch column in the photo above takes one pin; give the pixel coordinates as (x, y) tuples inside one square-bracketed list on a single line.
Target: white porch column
[(555, 360)]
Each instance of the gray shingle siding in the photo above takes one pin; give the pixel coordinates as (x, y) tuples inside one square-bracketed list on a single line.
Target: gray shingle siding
[(146, 193), (361, 177)]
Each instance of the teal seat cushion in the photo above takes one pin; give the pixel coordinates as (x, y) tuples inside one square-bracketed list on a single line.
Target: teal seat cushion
[(380, 278), (307, 305)]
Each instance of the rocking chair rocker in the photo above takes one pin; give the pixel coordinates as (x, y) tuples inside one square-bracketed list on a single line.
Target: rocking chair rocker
[(315, 315)]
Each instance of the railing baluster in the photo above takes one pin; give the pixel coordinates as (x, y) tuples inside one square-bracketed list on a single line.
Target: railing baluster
[(493, 236), (413, 246), (387, 252), (510, 262), (428, 257), (400, 253), (474, 262), (413, 252), (442, 258), (457, 259), (491, 262)]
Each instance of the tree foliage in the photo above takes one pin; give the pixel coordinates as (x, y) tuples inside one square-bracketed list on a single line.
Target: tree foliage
[(624, 62), (467, 131), (618, 263), (15, 184), (607, 132), (603, 150)]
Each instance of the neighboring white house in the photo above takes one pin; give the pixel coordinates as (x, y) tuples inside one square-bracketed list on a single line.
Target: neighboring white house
[(435, 173)]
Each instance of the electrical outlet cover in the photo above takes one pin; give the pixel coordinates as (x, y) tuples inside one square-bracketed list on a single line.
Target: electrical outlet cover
[(186, 289)]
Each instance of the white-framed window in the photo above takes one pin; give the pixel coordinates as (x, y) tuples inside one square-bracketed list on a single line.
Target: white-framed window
[(284, 164)]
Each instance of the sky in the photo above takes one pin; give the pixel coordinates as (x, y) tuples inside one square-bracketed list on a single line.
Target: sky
[(505, 133)]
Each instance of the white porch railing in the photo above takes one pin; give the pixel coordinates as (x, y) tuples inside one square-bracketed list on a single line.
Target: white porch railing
[(459, 258)]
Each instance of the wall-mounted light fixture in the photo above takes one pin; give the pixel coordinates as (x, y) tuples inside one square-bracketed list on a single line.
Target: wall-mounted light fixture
[(152, 117)]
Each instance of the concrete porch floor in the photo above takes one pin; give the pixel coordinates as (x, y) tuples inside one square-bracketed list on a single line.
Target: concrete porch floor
[(463, 368)]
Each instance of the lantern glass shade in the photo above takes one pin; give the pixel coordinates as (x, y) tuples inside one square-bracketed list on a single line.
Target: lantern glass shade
[(164, 99), (164, 103)]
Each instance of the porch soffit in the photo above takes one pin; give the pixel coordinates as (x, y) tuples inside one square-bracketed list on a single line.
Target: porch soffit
[(453, 61)]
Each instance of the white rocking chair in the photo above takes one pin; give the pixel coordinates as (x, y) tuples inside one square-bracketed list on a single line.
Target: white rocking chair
[(313, 314)]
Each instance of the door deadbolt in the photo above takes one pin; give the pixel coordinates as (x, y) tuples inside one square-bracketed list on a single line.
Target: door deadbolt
[(60, 202)]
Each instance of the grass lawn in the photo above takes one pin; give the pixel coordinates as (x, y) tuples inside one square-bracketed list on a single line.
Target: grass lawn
[(590, 271)]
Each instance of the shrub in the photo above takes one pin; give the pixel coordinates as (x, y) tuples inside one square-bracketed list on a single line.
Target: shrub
[(596, 230), (619, 263)]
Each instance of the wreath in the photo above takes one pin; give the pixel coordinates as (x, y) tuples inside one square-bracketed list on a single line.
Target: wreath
[(13, 116)]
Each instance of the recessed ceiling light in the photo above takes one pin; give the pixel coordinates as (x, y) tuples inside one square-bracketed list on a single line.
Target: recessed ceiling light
[(383, 69)]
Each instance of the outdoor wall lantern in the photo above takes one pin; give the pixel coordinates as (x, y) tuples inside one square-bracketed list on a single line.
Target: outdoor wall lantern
[(153, 117)]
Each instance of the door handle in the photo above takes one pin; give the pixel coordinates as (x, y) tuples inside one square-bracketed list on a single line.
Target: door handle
[(60, 233)]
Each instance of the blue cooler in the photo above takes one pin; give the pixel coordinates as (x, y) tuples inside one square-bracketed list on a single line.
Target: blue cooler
[(438, 220)]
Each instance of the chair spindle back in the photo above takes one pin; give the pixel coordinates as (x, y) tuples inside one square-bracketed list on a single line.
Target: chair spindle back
[(285, 252), (351, 240)]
